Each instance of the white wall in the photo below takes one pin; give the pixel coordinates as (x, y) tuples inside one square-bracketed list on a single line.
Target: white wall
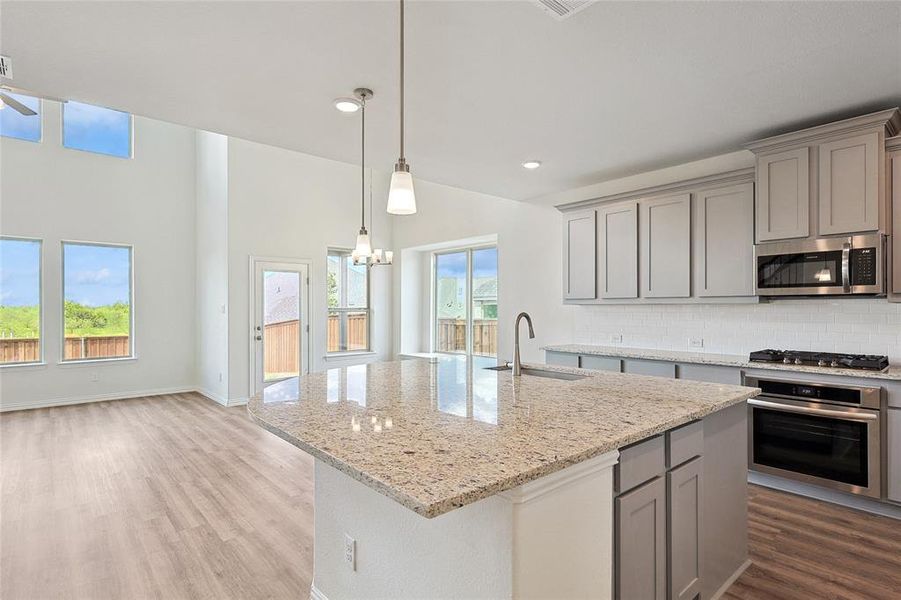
[(529, 263), (212, 264), (291, 205), (53, 193)]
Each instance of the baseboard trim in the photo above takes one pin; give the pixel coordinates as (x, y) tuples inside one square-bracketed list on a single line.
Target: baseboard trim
[(212, 396), (237, 401), (11, 406), (732, 579), (316, 593)]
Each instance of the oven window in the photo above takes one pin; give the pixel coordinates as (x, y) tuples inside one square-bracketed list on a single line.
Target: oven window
[(825, 447), (814, 269)]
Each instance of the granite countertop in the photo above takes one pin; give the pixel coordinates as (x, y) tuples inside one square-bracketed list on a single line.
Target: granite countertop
[(726, 360), (435, 436)]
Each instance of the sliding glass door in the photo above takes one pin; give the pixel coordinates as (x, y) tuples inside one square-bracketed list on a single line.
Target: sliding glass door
[(465, 297)]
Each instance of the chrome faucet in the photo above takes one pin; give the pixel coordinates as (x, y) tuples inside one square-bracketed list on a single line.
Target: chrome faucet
[(517, 366)]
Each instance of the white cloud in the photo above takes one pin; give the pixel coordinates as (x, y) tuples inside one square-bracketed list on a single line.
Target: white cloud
[(91, 277)]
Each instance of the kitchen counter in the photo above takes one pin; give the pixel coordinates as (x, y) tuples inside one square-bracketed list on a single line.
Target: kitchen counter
[(437, 436), (893, 373)]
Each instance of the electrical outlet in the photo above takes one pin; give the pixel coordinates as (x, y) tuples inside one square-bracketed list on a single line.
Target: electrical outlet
[(616, 338), (93, 376), (696, 342), (350, 552)]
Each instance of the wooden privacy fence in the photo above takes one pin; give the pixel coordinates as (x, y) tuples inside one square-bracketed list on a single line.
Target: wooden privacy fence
[(452, 336), (14, 350), (356, 332), (281, 347)]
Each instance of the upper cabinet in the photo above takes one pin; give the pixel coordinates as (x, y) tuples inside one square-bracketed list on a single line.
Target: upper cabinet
[(618, 250), (893, 146), (826, 180), (724, 241), (783, 196), (665, 242), (849, 185), (579, 255)]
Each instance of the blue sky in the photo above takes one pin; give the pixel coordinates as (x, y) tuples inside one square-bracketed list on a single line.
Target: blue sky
[(20, 262), (13, 124), (484, 264), (96, 275), (96, 129)]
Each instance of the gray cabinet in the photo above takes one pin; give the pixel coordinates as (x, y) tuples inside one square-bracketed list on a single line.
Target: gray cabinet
[(561, 359), (618, 250), (783, 195), (665, 237), (723, 223), (640, 553), (896, 219), (600, 363), (849, 185), (684, 535), (894, 454), (656, 368), (579, 255)]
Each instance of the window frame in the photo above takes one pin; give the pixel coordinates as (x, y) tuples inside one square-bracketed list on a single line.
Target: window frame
[(346, 253), (40, 116), (132, 355), (41, 337), (469, 291), (131, 132)]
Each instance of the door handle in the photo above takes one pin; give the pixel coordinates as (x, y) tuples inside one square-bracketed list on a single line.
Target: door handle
[(258, 337), (846, 267), (837, 414)]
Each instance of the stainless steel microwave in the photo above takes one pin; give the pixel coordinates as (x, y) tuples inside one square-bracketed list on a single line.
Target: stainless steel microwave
[(835, 266)]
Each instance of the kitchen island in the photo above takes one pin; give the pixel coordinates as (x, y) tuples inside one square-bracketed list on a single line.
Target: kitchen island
[(448, 479)]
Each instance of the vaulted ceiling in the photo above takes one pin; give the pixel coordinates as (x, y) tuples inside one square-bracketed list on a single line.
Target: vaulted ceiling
[(618, 88)]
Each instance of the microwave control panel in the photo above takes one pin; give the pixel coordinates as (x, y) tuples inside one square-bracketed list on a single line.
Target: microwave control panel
[(863, 266)]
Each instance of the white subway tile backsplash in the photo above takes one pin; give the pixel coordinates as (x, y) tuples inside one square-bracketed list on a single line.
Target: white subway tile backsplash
[(846, 325)]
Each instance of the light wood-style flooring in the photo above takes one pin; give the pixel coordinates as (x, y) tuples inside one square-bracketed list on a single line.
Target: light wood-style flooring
[(177, 497)]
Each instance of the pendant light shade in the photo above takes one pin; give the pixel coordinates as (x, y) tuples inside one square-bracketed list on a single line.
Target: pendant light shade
[(363, 249), (401, 197)]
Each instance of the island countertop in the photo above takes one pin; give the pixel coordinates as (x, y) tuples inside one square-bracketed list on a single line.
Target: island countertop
[(435, 436)]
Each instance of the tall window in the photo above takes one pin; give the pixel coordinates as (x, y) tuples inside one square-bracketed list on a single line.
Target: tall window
[(348, 303), (466, 301), (20, 301), (96, 129), (16, 125), (97, 299)]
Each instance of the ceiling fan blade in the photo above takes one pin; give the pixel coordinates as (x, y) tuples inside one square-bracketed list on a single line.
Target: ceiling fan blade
[(16, 105)]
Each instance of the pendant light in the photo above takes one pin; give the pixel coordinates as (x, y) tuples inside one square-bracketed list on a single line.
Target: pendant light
[(379, 255), (363, 249), (401, 198)]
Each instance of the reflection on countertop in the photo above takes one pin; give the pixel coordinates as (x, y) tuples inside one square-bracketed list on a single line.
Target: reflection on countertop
[(438, 435)]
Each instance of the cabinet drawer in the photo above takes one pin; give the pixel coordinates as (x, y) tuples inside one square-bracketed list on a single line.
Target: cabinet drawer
[(657, 368), (684, 443), (639, 463), (600, 363), (561, 359)]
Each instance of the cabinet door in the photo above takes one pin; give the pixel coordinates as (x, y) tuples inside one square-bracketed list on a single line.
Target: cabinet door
[(684, 556), (641, 543), (655, 368), (666, 247), (783, 195), (600, 363), (896, 218), (849, 185), (618, 251), (724, 241), (579, 255), (894, 454), (561, 359)]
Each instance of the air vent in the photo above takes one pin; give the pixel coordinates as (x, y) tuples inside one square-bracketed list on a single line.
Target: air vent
[(563, 9), (6, 67)]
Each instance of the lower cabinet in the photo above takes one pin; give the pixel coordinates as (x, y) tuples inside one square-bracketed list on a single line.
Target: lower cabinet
[(600, 363), (561, 359), (656, 368), (684, 556), (641, 542), (894, 454)]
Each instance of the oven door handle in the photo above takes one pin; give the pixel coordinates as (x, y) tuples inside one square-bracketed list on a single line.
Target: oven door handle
[(838, 414), (846, 267)]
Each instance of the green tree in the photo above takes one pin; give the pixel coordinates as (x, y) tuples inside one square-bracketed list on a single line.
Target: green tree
[(332, 287)]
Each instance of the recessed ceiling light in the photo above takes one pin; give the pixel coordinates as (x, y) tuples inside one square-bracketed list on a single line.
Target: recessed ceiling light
[(531, 164), (347, 105)]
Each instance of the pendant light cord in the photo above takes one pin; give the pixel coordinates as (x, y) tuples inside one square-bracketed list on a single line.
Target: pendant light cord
[(402, 80), (363, 165)]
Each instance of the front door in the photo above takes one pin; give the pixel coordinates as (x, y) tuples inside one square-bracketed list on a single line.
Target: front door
[(280, 322)]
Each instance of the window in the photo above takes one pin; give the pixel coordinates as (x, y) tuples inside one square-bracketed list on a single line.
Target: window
[(348, 303), (16, 125), (97, 301), (96, 129), (20, 301), (466, 301)]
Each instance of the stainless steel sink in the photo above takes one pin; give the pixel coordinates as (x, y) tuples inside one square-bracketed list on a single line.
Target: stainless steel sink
[(540, 373)]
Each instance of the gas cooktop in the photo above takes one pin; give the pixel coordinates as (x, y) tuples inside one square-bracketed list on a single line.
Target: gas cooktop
[(868, 362)]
